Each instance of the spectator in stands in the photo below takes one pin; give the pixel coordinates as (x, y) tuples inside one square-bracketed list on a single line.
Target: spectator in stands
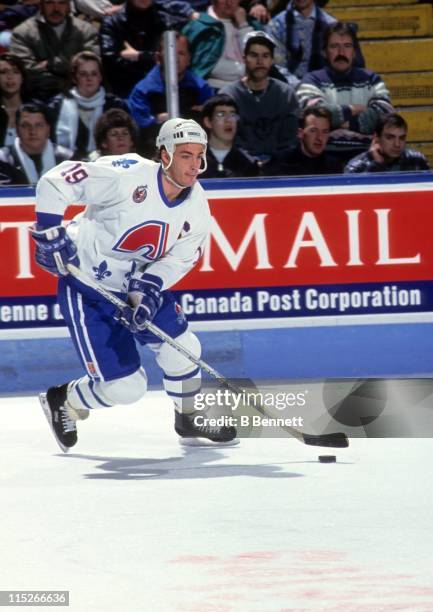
[(32, 153), (259, 10), (147, 101), (97, 9), (356, 97), (265, 9), (130, 37), (309, 156), (224, 158), (13, 93), (11, 15), (298, 31), (200, 5), (46, 44), (216, 42), (115, 134), (74, 114), (268, 108), (388, 152)]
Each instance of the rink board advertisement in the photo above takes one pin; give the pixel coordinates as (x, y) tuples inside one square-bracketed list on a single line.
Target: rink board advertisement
[(277, 251)]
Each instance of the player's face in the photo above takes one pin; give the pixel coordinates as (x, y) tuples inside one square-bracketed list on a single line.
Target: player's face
[(314, 136), (258, 62), (117, 142), (187, 161), (224, 123), (55, 11), (10, 79), (392, 142), (88, 78), (33, 132), (225, 9), (340, 52)]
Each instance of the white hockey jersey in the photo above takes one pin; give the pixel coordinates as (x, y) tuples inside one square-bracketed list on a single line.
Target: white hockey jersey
[(128, 223)]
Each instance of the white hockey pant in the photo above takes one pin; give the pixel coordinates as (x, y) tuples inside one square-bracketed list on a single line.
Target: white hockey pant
[(182, 379), (88, 393)]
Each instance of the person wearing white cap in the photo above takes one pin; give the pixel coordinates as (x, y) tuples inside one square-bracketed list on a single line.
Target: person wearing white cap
[(143, 229)]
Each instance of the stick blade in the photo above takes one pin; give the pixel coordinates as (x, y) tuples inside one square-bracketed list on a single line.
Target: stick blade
[(333, 440)]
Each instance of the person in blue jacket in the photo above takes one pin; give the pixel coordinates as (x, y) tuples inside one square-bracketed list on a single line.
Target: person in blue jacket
[(147, 101)]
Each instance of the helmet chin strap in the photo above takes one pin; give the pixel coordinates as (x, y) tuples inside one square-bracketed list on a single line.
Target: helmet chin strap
[(171, 180)]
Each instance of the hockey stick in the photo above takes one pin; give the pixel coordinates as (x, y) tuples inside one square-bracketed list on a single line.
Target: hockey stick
[(334, 440)]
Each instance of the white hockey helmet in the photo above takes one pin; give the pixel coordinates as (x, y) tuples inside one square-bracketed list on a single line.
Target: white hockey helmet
[(181, 131)]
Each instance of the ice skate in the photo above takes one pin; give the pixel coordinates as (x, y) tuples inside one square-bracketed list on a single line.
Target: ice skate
[(61, 417), (193, 434)]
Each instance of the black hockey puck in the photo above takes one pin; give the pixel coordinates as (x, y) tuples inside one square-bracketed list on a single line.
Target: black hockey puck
[(327, 458)]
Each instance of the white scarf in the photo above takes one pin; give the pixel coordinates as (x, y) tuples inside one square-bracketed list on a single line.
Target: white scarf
[(48, 161), (67, 123)]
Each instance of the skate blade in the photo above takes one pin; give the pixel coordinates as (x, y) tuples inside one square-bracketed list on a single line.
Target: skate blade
[(205, 443), (47, 412)]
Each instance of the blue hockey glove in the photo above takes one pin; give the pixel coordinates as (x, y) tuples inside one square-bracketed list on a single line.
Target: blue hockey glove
[(54, 249), (144, 295)]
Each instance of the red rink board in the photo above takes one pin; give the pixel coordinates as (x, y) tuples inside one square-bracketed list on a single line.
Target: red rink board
[(274, 223), (342, 239)]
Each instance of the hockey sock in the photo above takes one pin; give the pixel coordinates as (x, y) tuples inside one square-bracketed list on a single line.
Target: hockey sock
[(182, 388)]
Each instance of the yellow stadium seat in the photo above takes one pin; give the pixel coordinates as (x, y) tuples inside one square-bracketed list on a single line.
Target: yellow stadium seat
[(352, 3), (389, 21), (420, 122), (394, 55), (410, 88)]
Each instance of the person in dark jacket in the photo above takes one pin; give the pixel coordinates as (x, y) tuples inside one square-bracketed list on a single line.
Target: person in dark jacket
[(11, 15), (224, 158), (74, 114), (388, 152), (32, 153), (129, 39), (309, 156), (268, 108)]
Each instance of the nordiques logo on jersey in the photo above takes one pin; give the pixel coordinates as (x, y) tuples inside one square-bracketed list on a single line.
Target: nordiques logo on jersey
[(149, 237)]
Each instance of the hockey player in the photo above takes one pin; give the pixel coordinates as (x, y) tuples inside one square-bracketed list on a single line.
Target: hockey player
[(142, 230)]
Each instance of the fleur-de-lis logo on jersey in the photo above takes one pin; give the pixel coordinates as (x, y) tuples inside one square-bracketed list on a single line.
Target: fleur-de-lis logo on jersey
[(124, 163), (101, 271), (126, 280)]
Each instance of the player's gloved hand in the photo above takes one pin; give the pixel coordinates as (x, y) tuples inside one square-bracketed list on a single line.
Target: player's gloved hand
[(54, 249), (144, 295)]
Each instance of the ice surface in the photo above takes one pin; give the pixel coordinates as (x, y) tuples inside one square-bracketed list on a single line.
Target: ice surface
[(130, 521)]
